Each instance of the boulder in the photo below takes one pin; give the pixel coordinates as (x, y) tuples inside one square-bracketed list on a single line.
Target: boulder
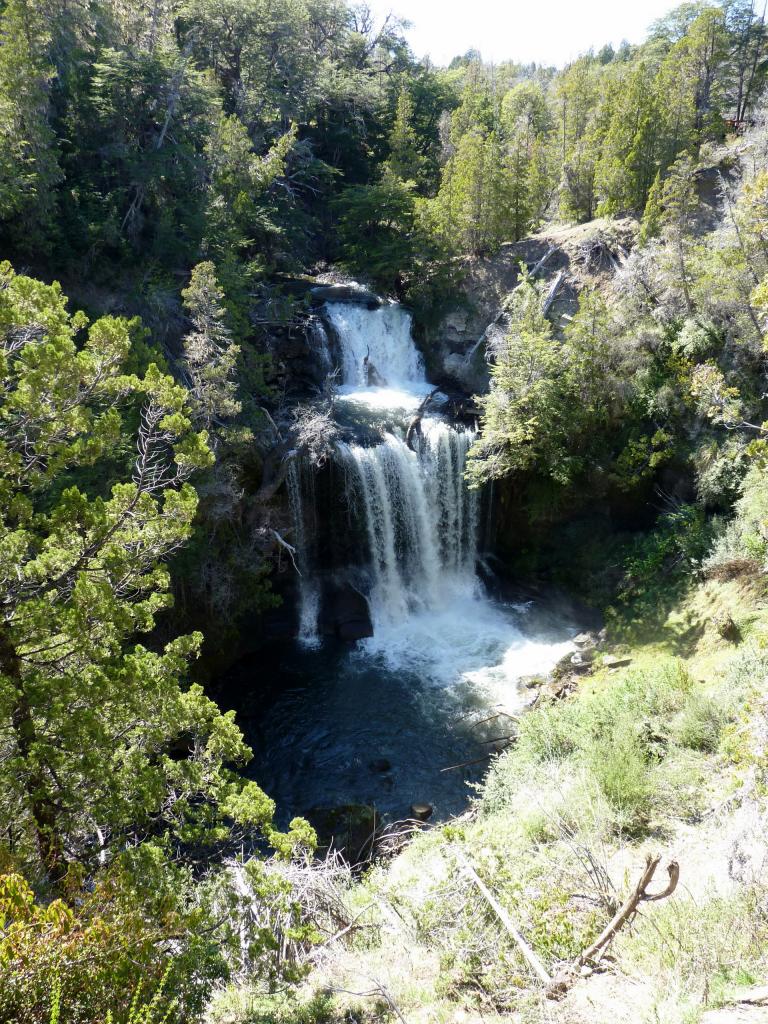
[(585, 641), (381, 764), (614, 661), (345, 613), (557, 689), (350, 828), (531, 682), (582, 661), (727, 628), (422, 812)]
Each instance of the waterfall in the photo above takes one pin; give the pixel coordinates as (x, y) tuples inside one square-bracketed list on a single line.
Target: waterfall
[(420, 519), (320, 345), (397, 523), (376, 345), (309, 593)]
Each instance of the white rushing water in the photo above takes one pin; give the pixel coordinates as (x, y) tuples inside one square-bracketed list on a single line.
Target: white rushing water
[(309, 592), (376, 345), (428, 608), (420, 518)]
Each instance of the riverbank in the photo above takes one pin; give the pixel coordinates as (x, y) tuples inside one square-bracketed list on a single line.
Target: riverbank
[(665, 755)]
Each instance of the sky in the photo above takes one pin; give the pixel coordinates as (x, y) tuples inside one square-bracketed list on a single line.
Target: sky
[(544, 31)]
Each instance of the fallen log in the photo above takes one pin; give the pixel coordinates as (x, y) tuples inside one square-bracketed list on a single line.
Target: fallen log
[(552, 293), (530, 956), (504, 310), (289, 548), (466, 764), (557, 986)]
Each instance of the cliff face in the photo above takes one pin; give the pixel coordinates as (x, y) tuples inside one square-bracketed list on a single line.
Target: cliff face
[(580, 256)]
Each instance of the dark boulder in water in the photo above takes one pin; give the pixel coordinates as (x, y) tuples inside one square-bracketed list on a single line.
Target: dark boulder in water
[(345, 614), (422, 812), (350, 829)]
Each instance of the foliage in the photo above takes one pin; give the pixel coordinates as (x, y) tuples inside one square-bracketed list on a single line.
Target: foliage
[(550, 400), (120, 951)]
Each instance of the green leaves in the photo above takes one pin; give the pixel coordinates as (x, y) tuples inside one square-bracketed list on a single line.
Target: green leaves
[(101, 739)]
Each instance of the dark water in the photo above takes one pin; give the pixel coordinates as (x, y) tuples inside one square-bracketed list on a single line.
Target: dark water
[(319, 720)]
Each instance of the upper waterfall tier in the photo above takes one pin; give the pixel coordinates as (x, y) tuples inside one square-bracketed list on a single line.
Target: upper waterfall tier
[(378, 355)]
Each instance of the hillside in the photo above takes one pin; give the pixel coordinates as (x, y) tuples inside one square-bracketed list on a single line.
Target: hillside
[(383, 519)]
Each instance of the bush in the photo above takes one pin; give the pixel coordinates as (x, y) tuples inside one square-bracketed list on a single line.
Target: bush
[(701, 723), (105, 950), (621, 765), (546, 734), (603, 748), (250, 1005), (743, 539), (683, 941)]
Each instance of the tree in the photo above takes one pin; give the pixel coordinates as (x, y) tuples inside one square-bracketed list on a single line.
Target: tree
[(553, 406), (209, 355), (29, 167), (522, 414), (680, 203), (652, 215), (628, 158), (404, 161), (749, 39), (100, 741), (576, 95), (378, 229), (472, 212), (527, 125)]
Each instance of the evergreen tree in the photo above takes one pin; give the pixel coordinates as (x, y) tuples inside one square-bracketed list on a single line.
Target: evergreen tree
[(94, 491), (209, 355), (652, 216), (29, 167), (405, 161), (472, 211), (628, 157)]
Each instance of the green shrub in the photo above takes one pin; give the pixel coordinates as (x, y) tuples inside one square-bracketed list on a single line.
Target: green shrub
[(251, 1005), (620, 764), (701, 723), (683, 941), (546, 734)]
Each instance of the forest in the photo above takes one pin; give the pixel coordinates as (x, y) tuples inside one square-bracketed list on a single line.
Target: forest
[(348, 399)]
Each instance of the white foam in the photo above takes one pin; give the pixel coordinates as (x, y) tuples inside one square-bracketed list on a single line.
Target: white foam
[(465, 639), (377, 348), (385, 398)]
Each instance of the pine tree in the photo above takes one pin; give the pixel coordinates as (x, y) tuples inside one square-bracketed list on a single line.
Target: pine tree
[(91, 714), (652, 216), (473, 211), (210, 357), (29, 169), (404, 160), (628, 158)]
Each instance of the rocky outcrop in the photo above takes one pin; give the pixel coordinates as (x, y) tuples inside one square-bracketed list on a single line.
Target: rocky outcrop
[(345, 613), (584, 254), (349, 292)]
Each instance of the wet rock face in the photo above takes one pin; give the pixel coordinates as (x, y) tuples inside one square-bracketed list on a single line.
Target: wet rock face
[(345, 613), (352, 293)]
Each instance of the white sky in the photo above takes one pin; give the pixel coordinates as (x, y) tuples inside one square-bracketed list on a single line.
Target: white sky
[(545, 31)]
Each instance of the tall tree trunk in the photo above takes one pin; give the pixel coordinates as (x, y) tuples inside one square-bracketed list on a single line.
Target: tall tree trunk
[(41, 804)]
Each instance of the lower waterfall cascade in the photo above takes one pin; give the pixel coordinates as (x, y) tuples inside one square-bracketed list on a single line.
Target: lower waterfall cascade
[(421, 519), (441, 647)]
